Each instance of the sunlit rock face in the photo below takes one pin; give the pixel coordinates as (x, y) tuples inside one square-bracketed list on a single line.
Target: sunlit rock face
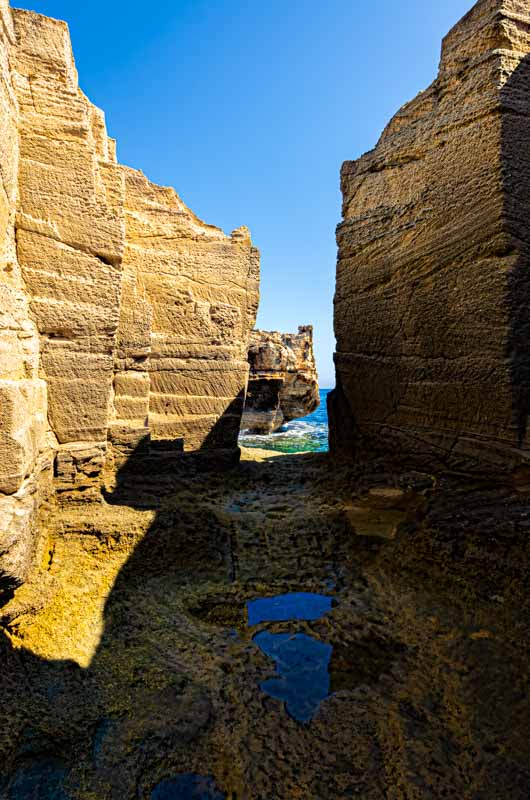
[(433, 283), (23, 400), (283, 381), (124, 319)]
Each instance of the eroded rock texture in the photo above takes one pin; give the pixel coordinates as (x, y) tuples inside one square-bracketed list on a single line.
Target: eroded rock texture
[(22, 392), (143, 664), (124, 319), (433, 283), (283, 381)]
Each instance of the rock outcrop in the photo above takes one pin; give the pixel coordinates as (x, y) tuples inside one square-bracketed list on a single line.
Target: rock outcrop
[(283, 382), (432, 308), (124, 319)]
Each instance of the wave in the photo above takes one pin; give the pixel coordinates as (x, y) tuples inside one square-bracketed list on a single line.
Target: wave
[(303, 435)]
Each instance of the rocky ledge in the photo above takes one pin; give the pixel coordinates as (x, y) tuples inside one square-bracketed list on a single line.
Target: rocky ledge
[(137, 664), (283, 382)]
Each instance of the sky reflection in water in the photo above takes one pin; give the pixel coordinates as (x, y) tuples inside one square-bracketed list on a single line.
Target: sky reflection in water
[(286, 607), (303, 668), (302, 662), (187, 786)]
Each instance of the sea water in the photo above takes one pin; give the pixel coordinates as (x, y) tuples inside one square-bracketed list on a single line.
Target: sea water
[(309, 434)]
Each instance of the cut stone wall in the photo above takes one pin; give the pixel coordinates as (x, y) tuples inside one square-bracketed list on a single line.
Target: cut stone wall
[(433, 278), (124, 319), (190, 301), (23, 410)]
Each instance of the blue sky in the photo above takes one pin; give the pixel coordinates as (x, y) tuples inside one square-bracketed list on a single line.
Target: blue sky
[(249, 107)]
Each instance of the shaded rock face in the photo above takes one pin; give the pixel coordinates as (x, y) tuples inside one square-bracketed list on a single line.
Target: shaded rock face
[(433, 278), (123, 317), (283, 382)]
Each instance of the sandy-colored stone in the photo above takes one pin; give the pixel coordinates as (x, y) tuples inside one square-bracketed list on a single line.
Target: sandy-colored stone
[(382, 524), (22, 428), (18, 514), (386, 498), (70, 229), (283, 381), (126, 657), (125, 284), (124, 319), (22, 394), (189, 303), (431, 307)]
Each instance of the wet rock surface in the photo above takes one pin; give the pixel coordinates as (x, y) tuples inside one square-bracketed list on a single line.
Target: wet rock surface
[(141, 672)]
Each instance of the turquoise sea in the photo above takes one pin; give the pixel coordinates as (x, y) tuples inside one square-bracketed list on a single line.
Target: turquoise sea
[(300, 436)]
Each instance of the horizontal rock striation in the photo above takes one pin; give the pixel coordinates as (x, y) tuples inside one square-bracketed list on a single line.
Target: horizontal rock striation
[(283, 382), (124, 319), (189, 303), (23, 396), (433, 282)]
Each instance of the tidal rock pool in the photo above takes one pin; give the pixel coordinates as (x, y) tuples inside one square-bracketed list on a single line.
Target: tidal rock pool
[(302, 662), (187, 786), (286, 607), (303, 668)]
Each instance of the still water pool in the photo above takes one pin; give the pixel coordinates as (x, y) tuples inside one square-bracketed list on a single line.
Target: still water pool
[(286, 607), (187, 786), (303, 671), (302, 662)]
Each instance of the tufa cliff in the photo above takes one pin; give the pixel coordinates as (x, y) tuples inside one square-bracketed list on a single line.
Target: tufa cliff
[(283, 382), (433, 281), (124, 318), (288, 629)]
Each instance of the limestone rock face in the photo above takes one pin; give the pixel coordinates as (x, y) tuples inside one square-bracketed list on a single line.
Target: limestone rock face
[(190, 297), (124, 319), (433, 282), (283, 381), (23, 397)]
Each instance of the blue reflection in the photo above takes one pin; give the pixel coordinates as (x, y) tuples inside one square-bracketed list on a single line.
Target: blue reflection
[(285, 607), (302, 664), (187, 786)]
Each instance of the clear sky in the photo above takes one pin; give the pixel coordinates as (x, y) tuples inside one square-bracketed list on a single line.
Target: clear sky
[(249, 107)]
